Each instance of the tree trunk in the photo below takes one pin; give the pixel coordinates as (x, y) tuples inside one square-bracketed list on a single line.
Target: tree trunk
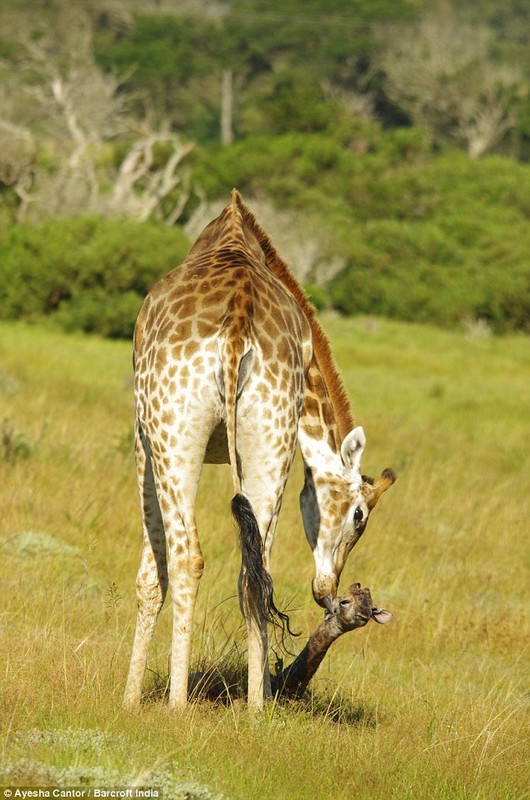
[(227, 108)]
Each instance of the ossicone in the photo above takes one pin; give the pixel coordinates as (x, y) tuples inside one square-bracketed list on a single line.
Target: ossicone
[(373, 489)]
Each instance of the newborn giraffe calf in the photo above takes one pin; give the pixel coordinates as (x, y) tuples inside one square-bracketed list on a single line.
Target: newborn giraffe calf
[(351, 610)]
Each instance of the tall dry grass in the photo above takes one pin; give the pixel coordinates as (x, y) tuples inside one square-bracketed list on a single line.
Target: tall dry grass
[(434, 705)]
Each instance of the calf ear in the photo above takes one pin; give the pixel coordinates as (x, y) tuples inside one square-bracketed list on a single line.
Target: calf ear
[(381, 615), (352, 448)]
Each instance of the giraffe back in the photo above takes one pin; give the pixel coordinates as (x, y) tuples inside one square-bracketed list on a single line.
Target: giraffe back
[(219, 322)]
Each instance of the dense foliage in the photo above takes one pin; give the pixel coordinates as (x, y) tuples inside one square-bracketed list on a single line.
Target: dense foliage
[(86, 273), (440, 239)]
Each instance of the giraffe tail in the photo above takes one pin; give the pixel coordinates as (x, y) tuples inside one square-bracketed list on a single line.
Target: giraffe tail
[(256, 583)]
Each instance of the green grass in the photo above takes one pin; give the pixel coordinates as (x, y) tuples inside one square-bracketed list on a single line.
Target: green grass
[(431, 706)]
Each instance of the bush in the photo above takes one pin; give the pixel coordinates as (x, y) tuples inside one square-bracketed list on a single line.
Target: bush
[(88, 274), (423, 238), (439, 241)]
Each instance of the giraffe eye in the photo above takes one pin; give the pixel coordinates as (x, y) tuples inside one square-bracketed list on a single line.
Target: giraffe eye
[(358, 514)]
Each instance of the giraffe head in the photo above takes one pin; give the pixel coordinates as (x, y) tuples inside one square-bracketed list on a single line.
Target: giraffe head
[(354, 609), (336, 502)]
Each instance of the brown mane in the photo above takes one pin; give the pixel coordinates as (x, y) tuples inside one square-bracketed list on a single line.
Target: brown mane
[(321, 346)]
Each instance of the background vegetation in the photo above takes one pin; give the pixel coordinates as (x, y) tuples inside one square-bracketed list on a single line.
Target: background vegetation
[(432, 705), (386, 145), (91, 274)]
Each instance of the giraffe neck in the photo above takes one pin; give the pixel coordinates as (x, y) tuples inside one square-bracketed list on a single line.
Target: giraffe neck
[(325, 489), (230, 231), (319, 430), (294, 679)]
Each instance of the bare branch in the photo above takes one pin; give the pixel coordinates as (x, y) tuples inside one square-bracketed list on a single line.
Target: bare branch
[(139, 190), (73, 110)]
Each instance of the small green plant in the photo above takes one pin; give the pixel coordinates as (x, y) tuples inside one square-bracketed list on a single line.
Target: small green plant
[(125, 442), (114, 598), (32, 772), (15, 445), (31, 543)]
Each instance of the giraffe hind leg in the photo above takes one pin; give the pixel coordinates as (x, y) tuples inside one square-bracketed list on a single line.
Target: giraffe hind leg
[(256, 599), (266, 459), (152, 577)]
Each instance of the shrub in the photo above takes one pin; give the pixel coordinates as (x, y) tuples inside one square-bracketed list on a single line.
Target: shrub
[(14, 445), (440, 241), (88, 274)]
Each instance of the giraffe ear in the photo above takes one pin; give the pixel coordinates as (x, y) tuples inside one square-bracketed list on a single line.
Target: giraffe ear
[(352, 448)]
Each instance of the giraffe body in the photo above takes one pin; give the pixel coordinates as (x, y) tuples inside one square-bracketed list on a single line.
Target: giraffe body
[(223, 351)]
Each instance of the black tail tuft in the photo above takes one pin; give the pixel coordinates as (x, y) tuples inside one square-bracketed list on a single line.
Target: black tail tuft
[(257, 581)]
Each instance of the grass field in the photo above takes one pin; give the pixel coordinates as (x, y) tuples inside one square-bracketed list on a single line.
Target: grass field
[(434, 705)]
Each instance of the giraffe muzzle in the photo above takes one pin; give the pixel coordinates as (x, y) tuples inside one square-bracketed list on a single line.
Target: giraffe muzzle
[(327, 602), (324, 589)]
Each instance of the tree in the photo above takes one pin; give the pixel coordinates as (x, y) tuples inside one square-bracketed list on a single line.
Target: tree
[(60, 123), (440, 71)]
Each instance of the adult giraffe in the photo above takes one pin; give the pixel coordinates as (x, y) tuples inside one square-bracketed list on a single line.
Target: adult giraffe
[(232, 365)]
